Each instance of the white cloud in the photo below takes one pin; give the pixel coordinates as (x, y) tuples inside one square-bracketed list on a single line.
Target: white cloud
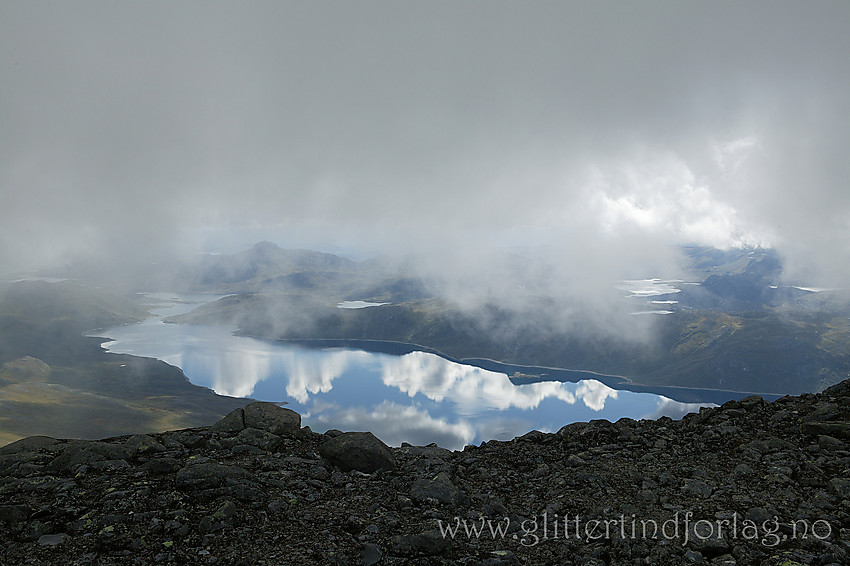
[(440, 126)]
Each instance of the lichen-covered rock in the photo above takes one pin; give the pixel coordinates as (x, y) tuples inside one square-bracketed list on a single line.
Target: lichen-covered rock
[(361, 451)]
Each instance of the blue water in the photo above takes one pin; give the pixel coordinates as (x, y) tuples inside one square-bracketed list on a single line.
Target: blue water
[(416, 397)]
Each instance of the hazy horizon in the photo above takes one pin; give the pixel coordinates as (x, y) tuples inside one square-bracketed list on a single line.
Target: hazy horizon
[(608, 132)]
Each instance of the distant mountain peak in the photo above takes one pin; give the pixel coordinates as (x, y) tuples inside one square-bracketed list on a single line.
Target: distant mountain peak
[(265, 246)]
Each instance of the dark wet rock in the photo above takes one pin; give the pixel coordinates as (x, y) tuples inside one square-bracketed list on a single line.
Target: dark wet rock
[(360, 451), (272, 418)]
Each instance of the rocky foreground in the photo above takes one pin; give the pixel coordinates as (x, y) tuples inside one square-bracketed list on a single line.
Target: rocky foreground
[(746, 483)]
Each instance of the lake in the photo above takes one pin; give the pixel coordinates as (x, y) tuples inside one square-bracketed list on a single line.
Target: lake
[(400, 394)]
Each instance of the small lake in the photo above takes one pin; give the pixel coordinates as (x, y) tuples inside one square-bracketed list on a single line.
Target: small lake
[(407, 396)]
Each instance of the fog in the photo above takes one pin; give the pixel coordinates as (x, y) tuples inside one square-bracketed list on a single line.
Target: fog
[(601, 132)]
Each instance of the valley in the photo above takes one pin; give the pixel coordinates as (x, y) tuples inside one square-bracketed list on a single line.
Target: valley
[(733, 328)]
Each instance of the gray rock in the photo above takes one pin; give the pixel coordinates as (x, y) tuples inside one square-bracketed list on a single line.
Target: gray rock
[(52, 540), (648, 496), (70, 460), (10, 464), (370, 555), (161, 465), (272, 418), (259, 438), (830, 442), (77, 453), (144, 444), (840, 487), (769, 445), (245, 449), (707, 538), (697, 487), (234, 421), (439, 488), (14, 513), (422, 544), (430, 451), (360, 451), (576, 461), (838, 429), (111, 465), (742, 470), (759, 515), (750, 402), (28, 444), (207, 475), (501, 558)]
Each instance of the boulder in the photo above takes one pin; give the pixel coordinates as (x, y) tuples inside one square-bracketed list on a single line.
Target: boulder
[(837, 429), (234, 421), (360, 451), (272, 418), (28, 444), (439, 488), (144, 444)]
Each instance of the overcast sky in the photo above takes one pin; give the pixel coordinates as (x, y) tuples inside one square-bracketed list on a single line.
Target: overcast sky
[(619, 128)]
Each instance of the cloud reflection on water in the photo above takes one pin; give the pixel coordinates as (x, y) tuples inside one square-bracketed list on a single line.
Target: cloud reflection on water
[(474, 389), (417, 397), (395, 423)]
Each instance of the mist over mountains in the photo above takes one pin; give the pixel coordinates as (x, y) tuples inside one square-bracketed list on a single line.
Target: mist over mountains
[(729, 322), (651, 194)]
